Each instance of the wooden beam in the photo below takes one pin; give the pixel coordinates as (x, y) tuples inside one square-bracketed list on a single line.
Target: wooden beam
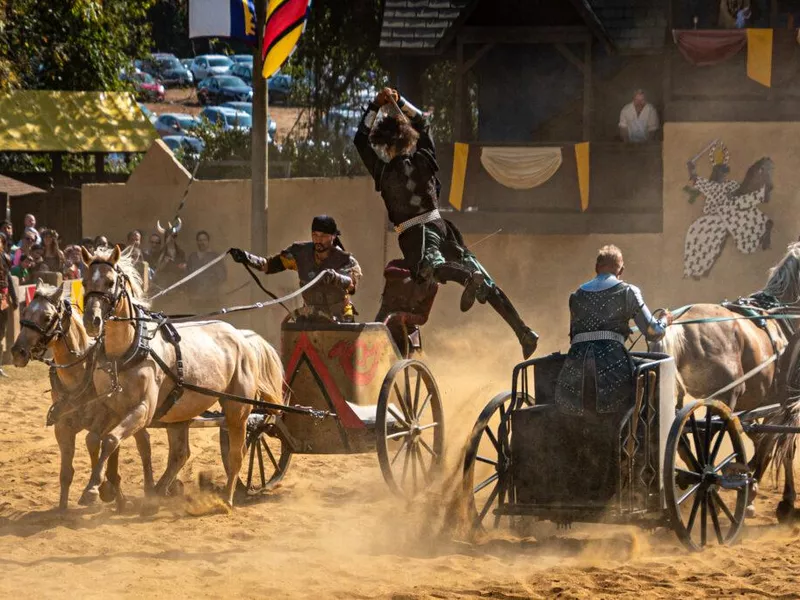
[(458, 129), (99, 166), (476, 57), (524, 35), (588, 98), (568, 54)]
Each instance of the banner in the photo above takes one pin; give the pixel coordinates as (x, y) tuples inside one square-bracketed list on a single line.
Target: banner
[(582, 160), (460, 155), (521, 168), (223, 18), (759, 56), (286, 21)]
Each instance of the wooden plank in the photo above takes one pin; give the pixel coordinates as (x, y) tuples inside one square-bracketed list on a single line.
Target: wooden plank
[(476, 57), (588, 97)]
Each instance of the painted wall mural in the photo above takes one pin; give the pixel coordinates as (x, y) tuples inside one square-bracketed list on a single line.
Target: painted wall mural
[(730, 209)]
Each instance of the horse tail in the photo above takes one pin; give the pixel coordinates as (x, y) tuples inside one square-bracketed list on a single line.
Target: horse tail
[(789, 416), (270, 369), (674, 344)]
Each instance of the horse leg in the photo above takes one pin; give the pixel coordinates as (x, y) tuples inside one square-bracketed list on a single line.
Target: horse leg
[(179, 452), (785, 511), (764, 446), (65, 436), (143, 446), (111, 488), (236, 415), (130, 425)]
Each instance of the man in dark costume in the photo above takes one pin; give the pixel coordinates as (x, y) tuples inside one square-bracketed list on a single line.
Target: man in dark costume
[(596, 382), (399, 153), (329, 299)]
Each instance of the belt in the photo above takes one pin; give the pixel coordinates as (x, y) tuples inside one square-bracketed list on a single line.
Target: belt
[(427, 217), (596, 336)]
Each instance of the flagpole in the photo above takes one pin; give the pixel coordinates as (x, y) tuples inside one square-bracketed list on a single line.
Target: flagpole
[(260, 188)]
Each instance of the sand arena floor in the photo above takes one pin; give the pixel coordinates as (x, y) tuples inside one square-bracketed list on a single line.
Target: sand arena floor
[(331, 530)]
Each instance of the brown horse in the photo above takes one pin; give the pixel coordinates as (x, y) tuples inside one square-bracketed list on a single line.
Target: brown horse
[(214, 356), (711, 356), (48, 323)]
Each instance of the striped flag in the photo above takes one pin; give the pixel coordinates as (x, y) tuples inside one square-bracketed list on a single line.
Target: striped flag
[(223, 18), (286, 20)]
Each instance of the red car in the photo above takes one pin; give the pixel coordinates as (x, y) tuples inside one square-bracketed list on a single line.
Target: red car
[(147, 87)]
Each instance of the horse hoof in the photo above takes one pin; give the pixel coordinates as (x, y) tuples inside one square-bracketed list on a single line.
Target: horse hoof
[(750, 511), (784, 512), (89, 497), (149, 508), (175, 489), (107, 492)]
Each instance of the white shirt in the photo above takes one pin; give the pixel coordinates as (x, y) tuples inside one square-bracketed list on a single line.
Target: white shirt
[(638, 125)]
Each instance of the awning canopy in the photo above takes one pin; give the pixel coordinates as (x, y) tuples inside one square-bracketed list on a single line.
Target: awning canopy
[(75, 122), (14, 187)]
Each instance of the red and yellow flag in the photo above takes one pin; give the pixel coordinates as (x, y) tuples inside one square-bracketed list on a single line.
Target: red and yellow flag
[(286, 20)]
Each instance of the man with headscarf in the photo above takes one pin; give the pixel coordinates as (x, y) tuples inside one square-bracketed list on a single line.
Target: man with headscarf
[(329, 299), (399, 153)]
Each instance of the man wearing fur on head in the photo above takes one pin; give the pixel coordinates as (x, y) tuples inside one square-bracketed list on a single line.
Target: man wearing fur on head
[(325, 253), (399, 153)]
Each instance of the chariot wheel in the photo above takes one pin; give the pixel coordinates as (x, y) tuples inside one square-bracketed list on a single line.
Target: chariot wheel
[(487, 462), (409, 428), (266, 457), (706, 477)]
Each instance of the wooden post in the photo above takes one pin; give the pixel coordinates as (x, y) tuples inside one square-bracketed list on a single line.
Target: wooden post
[(260, 191), (99, 166), (458, 126), (588, 97)]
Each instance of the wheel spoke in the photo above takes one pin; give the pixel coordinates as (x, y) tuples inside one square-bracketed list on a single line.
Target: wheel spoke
[(715, 519), (724, 507), (405, 468), (692, 474), (428, 426), (728, 459), (488, 504), (397, 417), (250, 466), (425, 470), (402, 403), (688, 449), (698, 446), (414, 469), (402, 446), (271, 456), (500, 501), (493, 439), (428, 448), (261, 464), (708, 436), (683, 498), (492, 478), (407, 397), (717, 445), (416, 394), (399, 434), (693, 514), (424, 406), (488, 461), (703, 519)]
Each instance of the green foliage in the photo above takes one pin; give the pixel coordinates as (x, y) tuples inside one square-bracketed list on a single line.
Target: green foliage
[(439, 90), (73, 44)]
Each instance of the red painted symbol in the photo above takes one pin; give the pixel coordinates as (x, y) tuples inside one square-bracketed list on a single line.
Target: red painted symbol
[(358, 359)]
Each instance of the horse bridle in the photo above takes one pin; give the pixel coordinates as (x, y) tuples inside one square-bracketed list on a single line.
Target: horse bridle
[(113, 297), (54, 330)]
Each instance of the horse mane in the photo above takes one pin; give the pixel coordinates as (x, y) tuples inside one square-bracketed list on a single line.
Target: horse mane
[(45, 290), (127, 266), (784, 278), (758, 176)]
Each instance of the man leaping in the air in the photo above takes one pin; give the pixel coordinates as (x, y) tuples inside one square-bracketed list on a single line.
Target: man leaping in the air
[(398, 151)]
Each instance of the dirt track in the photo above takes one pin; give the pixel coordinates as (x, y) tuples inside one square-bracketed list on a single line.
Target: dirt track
[(331, 530)]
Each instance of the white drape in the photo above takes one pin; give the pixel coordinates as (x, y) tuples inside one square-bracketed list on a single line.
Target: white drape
[(521, 168)]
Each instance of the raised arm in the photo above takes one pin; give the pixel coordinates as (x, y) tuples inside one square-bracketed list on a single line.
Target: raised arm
[(272, 264), (653, 329), (369, 157)]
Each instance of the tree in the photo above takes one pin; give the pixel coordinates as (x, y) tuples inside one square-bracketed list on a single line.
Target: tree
[(74, 44)]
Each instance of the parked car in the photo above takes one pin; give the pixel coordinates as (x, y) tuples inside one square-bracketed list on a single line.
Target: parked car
[(229, 118), (168, 69), (151, 116), (148, 87), (223, 88), (242, 58), (247, 107), (189, 145), (175, 124), (209, 65), (279, 87), (243, 71), (343, 120), (187, 63)]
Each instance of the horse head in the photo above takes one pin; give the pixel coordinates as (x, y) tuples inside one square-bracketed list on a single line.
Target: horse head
[(40, 324), (758, 176)]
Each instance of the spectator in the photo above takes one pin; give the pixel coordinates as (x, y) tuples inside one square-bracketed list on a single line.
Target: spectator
[(151, 254), (30, 223), (100, 242), (206, 286), (37, 254), (73, 266), (53, 256), (25, 245), (88, 243), (135, 244), (8, 296), (7, 229), (638, 121), (24, 270)]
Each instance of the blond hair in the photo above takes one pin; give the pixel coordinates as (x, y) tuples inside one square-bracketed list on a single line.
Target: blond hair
[(609, 256)]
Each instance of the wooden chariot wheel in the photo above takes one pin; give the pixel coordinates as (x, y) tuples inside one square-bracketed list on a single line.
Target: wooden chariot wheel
[(409, 428), (487, 462), (267, 457), (706, 477)]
